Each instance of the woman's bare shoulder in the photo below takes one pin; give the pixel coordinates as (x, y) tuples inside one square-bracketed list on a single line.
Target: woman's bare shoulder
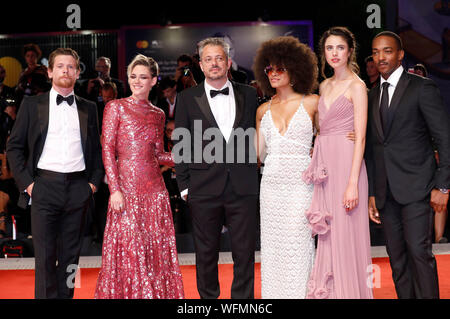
[(262, 109)]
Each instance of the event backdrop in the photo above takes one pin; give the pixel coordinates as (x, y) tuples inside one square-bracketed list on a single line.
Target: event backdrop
[(424, 27), (166, 44)]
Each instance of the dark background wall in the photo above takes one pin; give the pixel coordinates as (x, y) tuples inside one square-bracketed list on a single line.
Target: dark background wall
[(40, 17)]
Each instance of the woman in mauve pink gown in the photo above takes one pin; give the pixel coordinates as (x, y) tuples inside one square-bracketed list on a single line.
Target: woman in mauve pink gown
[(139, 257), (339, 209)]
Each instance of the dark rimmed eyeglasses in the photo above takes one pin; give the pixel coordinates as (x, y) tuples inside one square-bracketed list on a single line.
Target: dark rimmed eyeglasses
[(269, 70)]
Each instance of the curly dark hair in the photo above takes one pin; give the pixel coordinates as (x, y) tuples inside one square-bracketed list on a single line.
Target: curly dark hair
[(287, 52)]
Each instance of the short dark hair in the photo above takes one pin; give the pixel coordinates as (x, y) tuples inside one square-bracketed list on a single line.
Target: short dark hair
[(368, 59), (167, 82), (288, 52), (184, 58), (421, 67), (106, 59), (63, 51), (32, 47), (393, 35), (110, 86)]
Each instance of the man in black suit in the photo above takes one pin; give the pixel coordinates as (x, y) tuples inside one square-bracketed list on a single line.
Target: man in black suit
[(222, 187), (91, 89), (55, 155), (168, 88), (405, 184)]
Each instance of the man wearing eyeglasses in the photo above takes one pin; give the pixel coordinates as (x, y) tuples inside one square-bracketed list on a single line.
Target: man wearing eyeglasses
[(224, 190)]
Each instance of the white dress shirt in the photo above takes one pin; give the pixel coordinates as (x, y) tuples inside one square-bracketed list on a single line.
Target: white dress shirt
[(223, 107), (393, 81), (171, 106), (62, 150)]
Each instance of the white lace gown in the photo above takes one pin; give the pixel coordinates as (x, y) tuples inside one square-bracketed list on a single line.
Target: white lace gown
[(287, 248)]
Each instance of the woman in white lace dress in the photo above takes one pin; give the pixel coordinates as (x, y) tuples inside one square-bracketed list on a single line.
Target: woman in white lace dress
[(286, 70)]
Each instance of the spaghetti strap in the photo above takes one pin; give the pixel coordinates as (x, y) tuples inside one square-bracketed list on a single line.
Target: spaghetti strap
[(347, 88), (287, 247), (303, 98)]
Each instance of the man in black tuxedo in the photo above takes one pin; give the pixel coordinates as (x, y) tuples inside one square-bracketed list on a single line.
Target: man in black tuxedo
[(405, 112), (222, 187), (55, 155)]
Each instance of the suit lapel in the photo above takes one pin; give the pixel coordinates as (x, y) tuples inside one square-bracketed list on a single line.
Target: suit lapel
[(374, 101), (203, 104), (83, 118), (239, 99), (398, 94), (43, 107)]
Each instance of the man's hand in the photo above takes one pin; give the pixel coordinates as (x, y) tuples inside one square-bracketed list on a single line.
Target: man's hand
[(93, 188), (374, 214), (30, 189), (438, 201)]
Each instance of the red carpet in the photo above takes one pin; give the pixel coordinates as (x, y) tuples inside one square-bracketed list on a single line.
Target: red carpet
[(19, 284)]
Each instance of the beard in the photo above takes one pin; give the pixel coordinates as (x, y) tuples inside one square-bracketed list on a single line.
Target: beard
[(64, 82), (216, 74)]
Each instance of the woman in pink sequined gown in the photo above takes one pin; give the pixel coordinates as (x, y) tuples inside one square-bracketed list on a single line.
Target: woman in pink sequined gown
[(139, 258), (339, 209)]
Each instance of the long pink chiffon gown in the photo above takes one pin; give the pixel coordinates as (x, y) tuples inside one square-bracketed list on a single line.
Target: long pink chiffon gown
[(342, 266), (139, 257)]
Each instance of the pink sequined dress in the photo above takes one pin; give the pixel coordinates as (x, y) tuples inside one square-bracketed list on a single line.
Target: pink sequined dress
[(139, 257)]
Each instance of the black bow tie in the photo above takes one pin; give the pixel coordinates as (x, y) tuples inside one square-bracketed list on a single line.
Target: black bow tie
[(225, 91), (69, 99)]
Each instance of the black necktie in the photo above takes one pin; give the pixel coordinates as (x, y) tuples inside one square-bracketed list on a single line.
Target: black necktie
[(69, 99), (225, 91), (384, 105)]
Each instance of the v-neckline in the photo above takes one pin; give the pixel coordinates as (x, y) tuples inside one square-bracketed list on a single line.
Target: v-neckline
[(331, 105), (289, 124)]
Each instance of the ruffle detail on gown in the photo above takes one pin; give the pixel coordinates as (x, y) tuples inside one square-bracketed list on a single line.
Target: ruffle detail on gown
[(317, 172), (321, 290), (318, 221), (318, 215)]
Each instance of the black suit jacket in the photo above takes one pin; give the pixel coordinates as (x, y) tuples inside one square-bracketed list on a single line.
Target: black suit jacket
[(28, 136), (403, 156), (164, 105), (199, 176), (7, 92), (81, 89)]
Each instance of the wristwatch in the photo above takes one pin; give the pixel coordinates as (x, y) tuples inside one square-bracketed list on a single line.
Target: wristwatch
[(444, 190)]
